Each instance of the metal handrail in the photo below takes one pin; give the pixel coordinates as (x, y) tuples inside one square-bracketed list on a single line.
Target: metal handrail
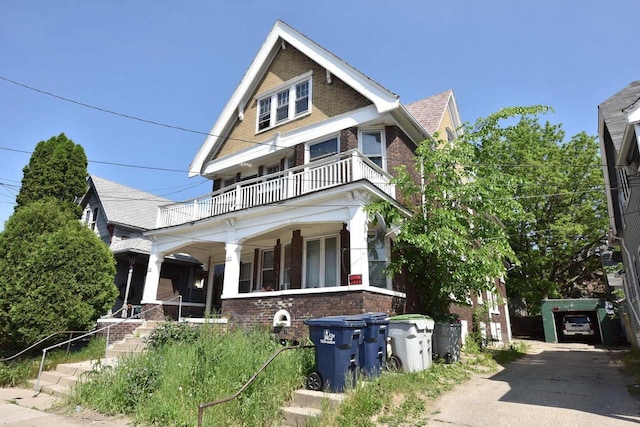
[(36, 387), (40, 342), (203, 406)]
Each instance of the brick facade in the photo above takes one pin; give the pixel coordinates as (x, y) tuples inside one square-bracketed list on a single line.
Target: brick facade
[(251, 312), (328, 100), (120, 328)]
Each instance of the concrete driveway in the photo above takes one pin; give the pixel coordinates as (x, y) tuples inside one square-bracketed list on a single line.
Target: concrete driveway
[(556, 385)]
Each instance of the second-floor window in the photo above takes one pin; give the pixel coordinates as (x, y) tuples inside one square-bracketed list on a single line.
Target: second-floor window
[(323, 148), (373, 147), (276, 107)]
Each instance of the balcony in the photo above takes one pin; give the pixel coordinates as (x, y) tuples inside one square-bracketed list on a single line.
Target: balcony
[(329, 172)]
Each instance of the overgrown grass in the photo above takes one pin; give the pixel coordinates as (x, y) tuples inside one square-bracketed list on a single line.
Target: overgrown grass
[(164, 385), (15, 373), (185, 367), (398, 399)]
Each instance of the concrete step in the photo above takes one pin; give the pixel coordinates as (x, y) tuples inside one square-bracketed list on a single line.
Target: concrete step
[(316, 399), (127, 345), (55, 377), (298, 417), (307, 405)]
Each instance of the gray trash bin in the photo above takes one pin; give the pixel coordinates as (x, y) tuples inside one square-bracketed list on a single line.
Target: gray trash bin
[(411, 342), (447, 340)]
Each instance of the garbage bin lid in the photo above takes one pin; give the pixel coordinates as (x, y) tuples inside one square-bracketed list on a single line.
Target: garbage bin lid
[(407, 317), (337, 321), (375, 318), (420, 320)]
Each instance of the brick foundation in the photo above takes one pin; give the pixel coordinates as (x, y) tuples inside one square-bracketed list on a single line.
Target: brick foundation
[(251, 312), (120, 328)]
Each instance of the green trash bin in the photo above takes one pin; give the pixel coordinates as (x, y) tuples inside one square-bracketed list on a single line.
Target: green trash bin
[(410, 336)]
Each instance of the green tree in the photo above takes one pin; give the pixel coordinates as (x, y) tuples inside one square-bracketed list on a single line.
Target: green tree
[(55, 274), (560, 188), (57, 169), (455, 242)]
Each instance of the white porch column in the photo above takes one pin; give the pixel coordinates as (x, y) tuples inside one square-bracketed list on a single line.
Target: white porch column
[(150, 293), (358, 242), (231, 270)]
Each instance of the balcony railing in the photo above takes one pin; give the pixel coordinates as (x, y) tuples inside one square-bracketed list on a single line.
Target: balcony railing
[(326, 173)]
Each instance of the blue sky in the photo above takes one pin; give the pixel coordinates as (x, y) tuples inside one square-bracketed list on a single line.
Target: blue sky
[(178, 62)]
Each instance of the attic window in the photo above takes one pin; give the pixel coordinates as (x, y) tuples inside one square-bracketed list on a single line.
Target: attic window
[(284, 103)]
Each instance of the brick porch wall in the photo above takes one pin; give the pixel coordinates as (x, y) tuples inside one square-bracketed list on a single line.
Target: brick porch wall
[(163, 312), (250, 312), (120, 328)]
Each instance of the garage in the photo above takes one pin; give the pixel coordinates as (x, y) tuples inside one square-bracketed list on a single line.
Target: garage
[(577, 320)]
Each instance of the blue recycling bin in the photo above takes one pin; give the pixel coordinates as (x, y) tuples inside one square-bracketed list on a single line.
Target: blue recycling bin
[(373, 350), (337, 341)]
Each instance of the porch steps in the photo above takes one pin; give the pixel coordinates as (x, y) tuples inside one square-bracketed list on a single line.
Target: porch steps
[(132, 343), (308, 405), (60, 381)]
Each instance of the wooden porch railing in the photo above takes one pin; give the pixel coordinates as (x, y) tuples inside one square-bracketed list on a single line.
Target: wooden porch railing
[(330, 172)]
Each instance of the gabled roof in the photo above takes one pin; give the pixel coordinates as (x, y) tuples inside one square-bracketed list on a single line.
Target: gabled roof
[(124, 205), (430, 111), (383, 99), (614, 111)]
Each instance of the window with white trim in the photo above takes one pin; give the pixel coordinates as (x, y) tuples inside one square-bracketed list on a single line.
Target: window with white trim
[(285, 277), (492, 300), (267, 275), (321, 262), (377, 254), (246, 272), (317, 150), (275, 107), (372, 145)]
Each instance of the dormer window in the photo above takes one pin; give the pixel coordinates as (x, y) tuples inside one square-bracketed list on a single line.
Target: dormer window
[(275, 107)]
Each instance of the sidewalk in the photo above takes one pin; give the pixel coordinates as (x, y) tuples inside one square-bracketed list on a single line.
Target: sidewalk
[(19, 408)]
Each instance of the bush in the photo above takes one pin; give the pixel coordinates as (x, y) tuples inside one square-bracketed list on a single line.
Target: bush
[(56, 275)]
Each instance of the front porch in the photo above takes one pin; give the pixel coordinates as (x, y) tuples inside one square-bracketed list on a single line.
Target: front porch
[(315, 256)]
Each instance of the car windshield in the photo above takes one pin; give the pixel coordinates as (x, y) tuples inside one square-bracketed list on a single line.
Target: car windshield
[(577, 319)]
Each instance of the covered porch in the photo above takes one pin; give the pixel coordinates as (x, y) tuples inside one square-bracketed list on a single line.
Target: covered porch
[(316, 255)]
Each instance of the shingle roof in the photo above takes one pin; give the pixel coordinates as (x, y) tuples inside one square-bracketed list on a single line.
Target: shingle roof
[(125, 205), (429, 111), (613, 114)]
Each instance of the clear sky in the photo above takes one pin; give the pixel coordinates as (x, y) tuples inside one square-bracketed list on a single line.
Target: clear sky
[(178, 62)]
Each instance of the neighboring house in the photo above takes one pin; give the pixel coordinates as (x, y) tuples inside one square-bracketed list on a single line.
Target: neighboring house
[(303, 145), (619, 130), (119, 215)]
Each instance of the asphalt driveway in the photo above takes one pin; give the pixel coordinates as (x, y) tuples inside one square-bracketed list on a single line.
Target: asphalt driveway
[(562, 384)]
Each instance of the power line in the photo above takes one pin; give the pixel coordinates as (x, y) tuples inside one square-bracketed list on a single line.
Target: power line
[(129, 116)]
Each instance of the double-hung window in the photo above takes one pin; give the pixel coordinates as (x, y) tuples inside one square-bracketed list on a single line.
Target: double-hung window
[(246, 271), (285, 277), (321, 262), (277, 106), (372, 145), (377, 254), (267, 275)]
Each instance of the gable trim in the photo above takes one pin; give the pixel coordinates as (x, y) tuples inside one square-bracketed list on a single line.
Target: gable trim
[(383, 99)]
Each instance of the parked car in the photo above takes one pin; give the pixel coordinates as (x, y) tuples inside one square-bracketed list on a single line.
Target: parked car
[(577, 324)]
